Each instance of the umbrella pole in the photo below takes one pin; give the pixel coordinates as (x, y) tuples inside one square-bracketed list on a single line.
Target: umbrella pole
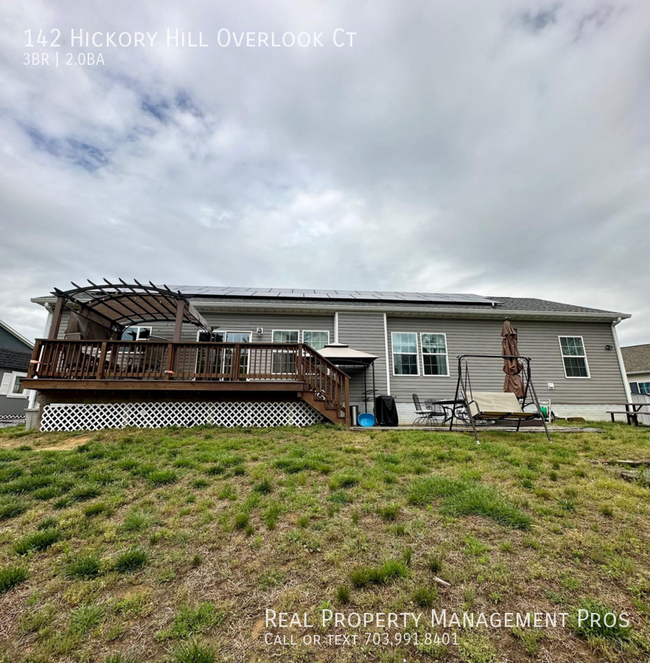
[(365, 391)]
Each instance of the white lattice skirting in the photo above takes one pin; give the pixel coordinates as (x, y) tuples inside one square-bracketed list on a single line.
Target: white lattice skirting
[(95, 416)]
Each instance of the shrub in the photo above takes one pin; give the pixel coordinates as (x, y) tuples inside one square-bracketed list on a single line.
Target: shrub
[(425, 597), (131, 560), (162, 477), (40, 540), (391, 569), (11, 576), (11, 508), (193, 653), (84, 566)]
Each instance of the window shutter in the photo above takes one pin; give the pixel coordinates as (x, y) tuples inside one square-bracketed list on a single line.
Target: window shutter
[(6, 382)]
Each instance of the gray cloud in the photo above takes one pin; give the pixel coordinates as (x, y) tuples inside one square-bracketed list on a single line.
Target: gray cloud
[(409, 161)]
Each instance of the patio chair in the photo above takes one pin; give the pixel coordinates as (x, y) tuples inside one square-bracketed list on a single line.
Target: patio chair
[(428, 414)]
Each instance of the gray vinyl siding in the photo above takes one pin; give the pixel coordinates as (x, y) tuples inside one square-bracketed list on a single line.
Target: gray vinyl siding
[(8, 340), (537, 340), (11, 405), (365, 331)]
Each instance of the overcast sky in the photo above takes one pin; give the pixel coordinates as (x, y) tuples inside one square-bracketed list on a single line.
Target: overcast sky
[(490, 147)]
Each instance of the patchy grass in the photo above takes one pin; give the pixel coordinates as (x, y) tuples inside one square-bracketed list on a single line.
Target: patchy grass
[(169, 545)]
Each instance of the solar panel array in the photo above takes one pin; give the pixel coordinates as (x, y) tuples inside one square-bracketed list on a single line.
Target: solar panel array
[(333, 295)]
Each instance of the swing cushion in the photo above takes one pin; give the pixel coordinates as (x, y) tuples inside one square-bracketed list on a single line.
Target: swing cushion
[(491, 405)]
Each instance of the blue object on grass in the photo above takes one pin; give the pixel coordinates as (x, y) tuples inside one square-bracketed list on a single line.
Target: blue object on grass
[(366, 419)]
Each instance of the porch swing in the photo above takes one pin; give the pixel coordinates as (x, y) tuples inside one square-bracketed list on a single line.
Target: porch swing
[(491, 408)]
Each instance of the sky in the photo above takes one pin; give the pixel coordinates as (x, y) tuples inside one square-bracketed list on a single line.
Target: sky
[(483, 146)]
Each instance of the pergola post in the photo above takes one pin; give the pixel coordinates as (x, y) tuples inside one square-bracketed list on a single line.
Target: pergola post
[(178, 326), (56, 318)]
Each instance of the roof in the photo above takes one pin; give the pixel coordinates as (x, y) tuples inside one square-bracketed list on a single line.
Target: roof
[(407, 303), (14, 360), (14, 333), (636, 358)]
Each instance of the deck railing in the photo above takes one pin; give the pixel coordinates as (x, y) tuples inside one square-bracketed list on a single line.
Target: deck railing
[(162, 360)]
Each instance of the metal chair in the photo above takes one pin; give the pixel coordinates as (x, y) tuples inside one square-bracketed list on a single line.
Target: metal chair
[(426, 415)]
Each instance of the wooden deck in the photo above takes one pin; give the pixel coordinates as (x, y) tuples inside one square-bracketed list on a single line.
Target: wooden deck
[(66, 365)]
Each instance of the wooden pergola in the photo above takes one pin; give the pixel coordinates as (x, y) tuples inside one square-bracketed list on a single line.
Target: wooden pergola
[(115, 306)]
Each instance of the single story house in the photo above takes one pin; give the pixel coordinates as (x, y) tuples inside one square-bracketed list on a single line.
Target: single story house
[(637, 367), (118, 354), (15, 353)]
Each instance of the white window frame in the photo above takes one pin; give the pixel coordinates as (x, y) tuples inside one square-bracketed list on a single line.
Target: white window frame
[(15, 375), (584, 347), (139, 328), (416, 353), (435, 354), (315, 331)]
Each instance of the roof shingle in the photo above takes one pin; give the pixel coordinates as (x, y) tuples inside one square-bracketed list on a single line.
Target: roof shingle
[(636, 358)]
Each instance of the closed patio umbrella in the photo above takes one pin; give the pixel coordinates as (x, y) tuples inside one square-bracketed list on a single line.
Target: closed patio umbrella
[(511, 367)]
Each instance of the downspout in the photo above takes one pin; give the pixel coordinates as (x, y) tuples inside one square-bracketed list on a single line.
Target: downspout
[(387, 358), (621, 365), (336, 326)]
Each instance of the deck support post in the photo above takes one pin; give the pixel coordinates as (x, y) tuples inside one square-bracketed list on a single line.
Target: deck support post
[(178, 326), (56, 318)]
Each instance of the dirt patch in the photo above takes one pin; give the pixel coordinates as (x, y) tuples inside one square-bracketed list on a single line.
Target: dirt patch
[(67, 444)]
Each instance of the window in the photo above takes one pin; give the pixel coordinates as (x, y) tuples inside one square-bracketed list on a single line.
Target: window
[(213, 336), (136, 333), (316, 339), (434, 354), (405, 353), (574, 357), (284, 361), (640, 388), (12, 385)]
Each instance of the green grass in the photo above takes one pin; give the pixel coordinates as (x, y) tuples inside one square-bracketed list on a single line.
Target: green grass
[(83, 566), (131, 560), (594, 618), (40, 540), (169, 544), (11, 576), (390, 570)]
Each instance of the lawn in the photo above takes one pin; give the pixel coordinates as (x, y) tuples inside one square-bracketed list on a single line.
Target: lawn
[(169, 545)]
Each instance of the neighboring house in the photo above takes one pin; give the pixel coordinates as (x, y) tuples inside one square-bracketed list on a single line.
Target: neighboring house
[(152, 355), (637, 366), (15, 353)]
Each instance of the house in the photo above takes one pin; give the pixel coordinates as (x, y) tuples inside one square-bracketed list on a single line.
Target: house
[(15, 353), (637, 367), (131, 354)]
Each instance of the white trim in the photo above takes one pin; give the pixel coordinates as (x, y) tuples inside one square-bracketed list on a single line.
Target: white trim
[(621, 364), (12, 383), (387, 355), (584, 347), (138, 327), (417, 355), (286, 331), (336, 326), (316, 331), (435, 354)]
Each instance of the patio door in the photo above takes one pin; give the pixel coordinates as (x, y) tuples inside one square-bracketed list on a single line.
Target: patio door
[(210, 361), (228, 355)]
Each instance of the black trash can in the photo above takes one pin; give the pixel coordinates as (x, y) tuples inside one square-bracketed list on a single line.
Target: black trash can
[(386, 411)]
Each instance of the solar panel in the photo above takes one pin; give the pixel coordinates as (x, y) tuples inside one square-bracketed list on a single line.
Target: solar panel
[(333, 295)]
